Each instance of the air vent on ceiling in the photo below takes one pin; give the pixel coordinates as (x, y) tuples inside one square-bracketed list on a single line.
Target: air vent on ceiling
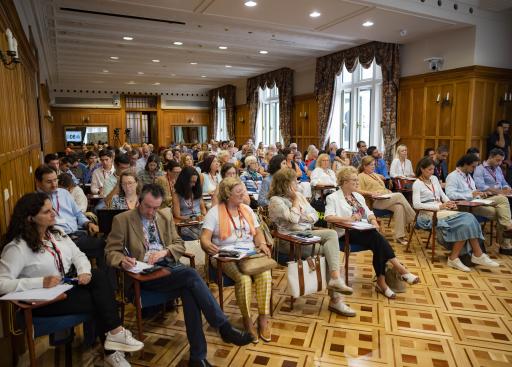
[(184, 104), (122, 16)]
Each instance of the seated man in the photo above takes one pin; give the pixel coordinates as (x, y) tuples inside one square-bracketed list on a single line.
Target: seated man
[(380, 164), (489, 177), (440, 164), (69, 217), (146, 234), (121, 164), (100, 175), (461, 186)]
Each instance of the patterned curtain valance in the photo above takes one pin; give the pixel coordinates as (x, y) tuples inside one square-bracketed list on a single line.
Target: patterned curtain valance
[(283, 79), (228, 93), (327, 67)]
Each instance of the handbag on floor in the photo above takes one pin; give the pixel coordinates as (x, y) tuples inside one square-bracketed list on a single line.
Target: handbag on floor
[(306, 276), (394, 280)]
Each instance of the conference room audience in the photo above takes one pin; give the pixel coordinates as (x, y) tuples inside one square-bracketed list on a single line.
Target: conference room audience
[(401, 167), (229, 170), (346, 206), (340, 160), (151, 170), (461, 186), (77, 168), (52, 160), (210, 176), (187, 201), (232, 223), (162, 245), (500, 138), (441, 164), (167, 157), (167, 181), (121, 164), (381, 168), (65, 164), (250, 176), (489, 177), (276, 163), (127, 192), (39, 255), (186, 160), (78, 195), (361, 152), (429, 152), (290, 161), (302, 166), (102, 173), (91, 158), (323, 174), (372, 186), (458, 232), (289, 210)]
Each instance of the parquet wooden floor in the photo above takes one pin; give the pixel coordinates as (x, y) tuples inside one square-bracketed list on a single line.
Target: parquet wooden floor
[(450, 319)]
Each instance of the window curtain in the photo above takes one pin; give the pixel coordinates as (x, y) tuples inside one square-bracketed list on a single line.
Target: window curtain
[(283, 79), (221, 131), (228, 93), (327, 67)]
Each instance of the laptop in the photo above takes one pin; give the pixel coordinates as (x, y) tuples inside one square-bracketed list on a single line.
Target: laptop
[(105, 218)]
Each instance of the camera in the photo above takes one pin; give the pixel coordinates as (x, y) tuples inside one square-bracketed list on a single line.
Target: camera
[(434, 63), (116, 132)]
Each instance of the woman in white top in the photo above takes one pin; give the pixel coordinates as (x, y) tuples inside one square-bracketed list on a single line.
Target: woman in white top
[(454, 229), (323, 174), (233, 223), (210, 176), (401, 167), (38, 256), (347, 205)]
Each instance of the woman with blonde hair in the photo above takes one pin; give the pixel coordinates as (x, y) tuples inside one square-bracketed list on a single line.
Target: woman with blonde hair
[(323, 174), (233, 223), (347, 206), (186, 160), (371, 185), (291, 212), (401, 167)]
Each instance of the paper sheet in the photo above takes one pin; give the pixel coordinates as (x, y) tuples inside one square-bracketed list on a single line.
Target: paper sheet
[(242, 250), (139, 266), (482, 201), (362, 225), (42, 294)]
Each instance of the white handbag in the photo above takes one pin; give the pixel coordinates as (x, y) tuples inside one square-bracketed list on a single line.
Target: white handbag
[(306, 276)]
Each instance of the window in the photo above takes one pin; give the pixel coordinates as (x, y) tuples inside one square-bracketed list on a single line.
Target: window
[(222, 126), (267, 119), (138, 125), (356, 109)]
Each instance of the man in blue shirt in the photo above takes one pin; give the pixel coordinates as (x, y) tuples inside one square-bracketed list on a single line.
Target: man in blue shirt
[(69, 217), (361, 153), (380, 164), (489, 177), (440, 166)]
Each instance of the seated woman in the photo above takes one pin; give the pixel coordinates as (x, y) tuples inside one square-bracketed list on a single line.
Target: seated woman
[(186, 160), (232, 223), (151, 171), (210, 176), (290, 161), (454, 229), (250, 177), (290, 211), (276, 163), (38, 256), (372, 185), (187, 202), (340, 160), (128, 192), (167, 181), (66, 182), (229, 170), (323, 174), (401, 167), (347, 205)]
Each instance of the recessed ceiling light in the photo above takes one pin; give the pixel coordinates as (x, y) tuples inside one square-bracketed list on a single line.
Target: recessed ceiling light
[(157, 83), (250, 4), (173, 74), (105, 70), (203, 76), (114, 57), (127, 38), (155, 60), (223, 47), (263, 52), (131, 82), (228, 66), (193, 63), (177, 43), (368, 23), (314, 14), (140, 72)]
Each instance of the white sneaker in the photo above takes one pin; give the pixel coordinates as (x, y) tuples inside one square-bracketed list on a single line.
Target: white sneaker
[(116, 359), (457, 264), (484, 260), (123, 341), (338, 285), (342, 309)]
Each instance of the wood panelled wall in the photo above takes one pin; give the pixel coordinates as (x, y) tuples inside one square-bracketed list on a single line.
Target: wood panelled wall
[(465, 120)]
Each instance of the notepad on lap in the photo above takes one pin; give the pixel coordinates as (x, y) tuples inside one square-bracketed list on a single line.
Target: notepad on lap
[(362, 225), (139, 266), (41, 294), (482, 201)]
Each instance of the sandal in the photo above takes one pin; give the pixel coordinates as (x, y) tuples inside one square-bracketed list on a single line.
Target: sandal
[(411, 278), (388, 293), (402, 241)]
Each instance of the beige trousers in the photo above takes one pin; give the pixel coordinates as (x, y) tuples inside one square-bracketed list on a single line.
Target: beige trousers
[(403, 214), (500, 212)]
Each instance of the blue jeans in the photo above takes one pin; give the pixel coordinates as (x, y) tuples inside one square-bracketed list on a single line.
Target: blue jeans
[(196, 297)]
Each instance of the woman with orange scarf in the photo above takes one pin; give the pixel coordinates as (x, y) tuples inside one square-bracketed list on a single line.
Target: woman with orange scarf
[(233, 223)]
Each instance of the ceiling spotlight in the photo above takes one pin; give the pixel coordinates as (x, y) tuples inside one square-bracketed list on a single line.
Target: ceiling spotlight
[(368, 23), (250, 4), (155, 60), (193, 63), (223, 47), (156, 83), (105, 70), (177, 43), (114, 58), (140, 72), (173, 74), (315, 14), (131, 82), (228, 66), (203, 76), (127, 38), (263, 52)]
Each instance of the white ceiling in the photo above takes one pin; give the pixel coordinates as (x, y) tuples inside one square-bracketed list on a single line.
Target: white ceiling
[(77, 46)]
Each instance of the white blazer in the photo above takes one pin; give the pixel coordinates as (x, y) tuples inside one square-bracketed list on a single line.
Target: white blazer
[(337, 205)]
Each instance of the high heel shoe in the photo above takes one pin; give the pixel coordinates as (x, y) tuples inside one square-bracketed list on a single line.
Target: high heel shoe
[(388, 293), (265, 332)]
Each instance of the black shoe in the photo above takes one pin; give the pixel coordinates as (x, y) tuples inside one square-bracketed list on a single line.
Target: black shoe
[(234, 336), (202, 363), (506, 251)]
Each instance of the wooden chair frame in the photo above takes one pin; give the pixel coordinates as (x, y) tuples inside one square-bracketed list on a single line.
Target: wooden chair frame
[(432, 232)]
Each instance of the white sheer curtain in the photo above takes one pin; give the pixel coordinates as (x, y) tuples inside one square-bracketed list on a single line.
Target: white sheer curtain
[(335, 114), (222, 125)]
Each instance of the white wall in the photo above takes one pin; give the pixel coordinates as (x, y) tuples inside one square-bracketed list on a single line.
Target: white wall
[(304, 81), (493, 44), (456, 47)]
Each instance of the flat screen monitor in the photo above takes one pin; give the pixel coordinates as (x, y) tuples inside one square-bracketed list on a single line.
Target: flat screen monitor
[(74, 136)]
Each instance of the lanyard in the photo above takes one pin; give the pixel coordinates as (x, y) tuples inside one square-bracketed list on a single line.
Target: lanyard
[(432, 190), (238, 231), (55, 252), (57, 209), (403, 168), (467, 178), (493, 174)]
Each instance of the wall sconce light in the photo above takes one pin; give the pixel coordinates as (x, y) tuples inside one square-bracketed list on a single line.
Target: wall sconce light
[(446, 100), (49, 116), (10, 57), (303, 115), (241, 119), (190, 120), (507, 98), (86, 119), (438, 98)]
